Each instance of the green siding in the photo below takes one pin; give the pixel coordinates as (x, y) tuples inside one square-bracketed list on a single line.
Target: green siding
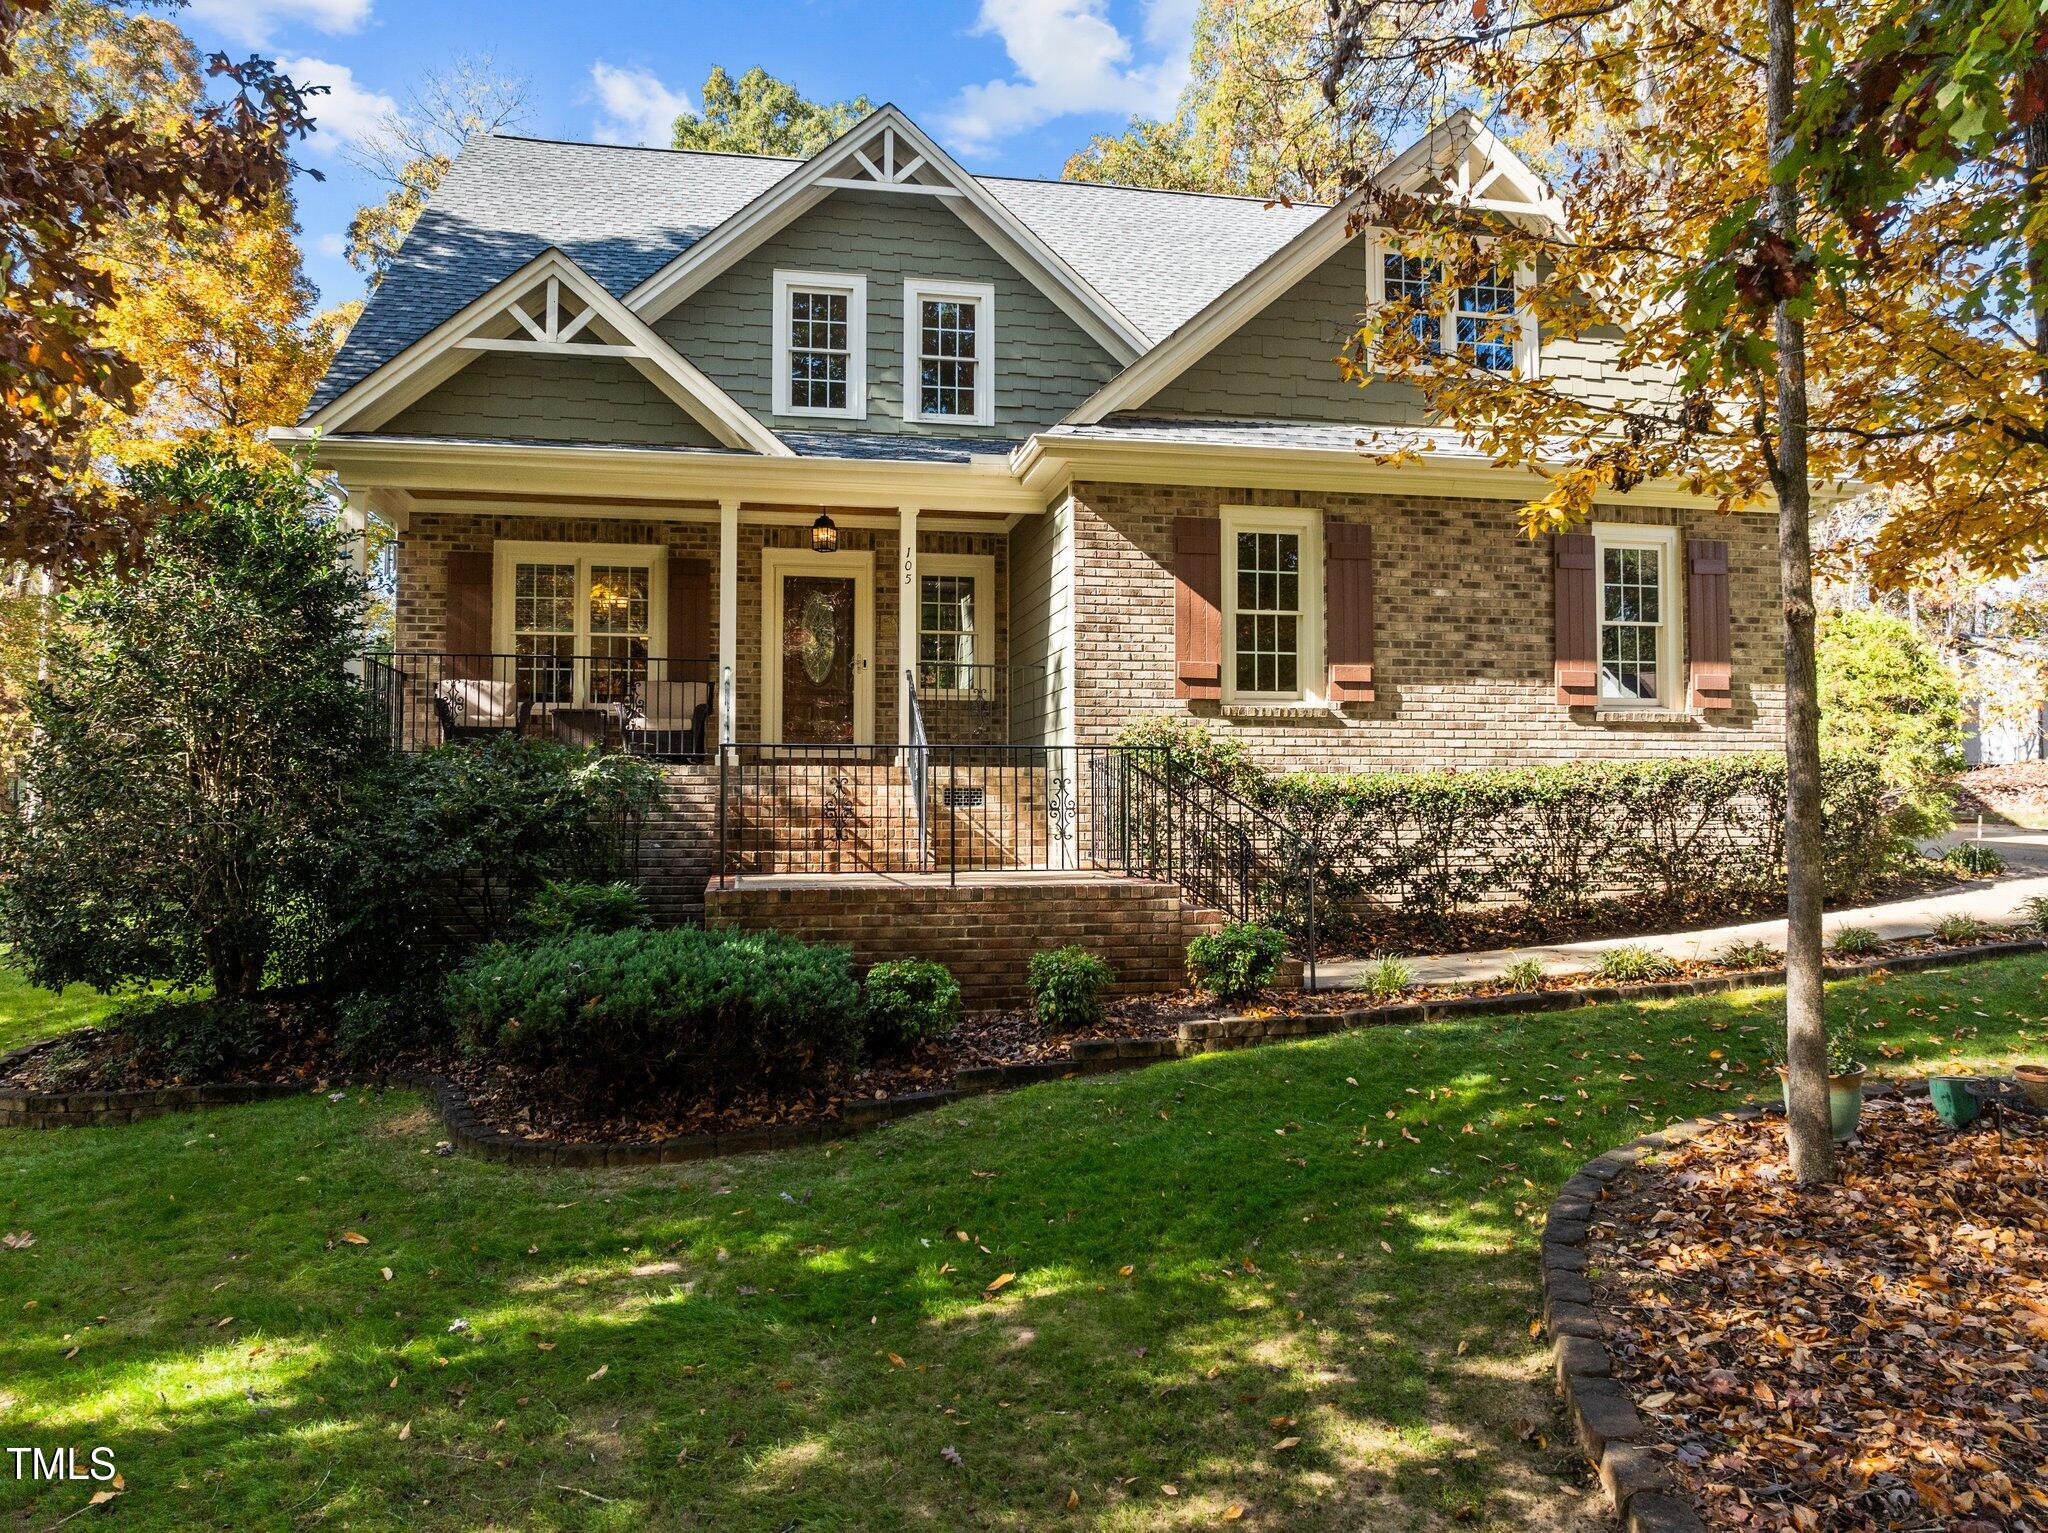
[(520, 396), (1045, 364), (1281, 365), (1041, 597)]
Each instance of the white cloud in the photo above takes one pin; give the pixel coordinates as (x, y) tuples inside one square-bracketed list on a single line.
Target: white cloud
[(347, 112), (256, 22), (1069, 57), (637, 107), (333, 246)]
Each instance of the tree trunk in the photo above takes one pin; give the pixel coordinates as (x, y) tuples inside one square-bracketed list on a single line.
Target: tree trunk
[(1808, 1135)]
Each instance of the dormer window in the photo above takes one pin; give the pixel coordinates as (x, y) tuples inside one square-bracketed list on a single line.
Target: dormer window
[(1484, 323), (821, 344), (948, 352)]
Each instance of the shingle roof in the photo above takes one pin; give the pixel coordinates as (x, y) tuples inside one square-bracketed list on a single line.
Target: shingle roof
[(623, 213), (899, 447)]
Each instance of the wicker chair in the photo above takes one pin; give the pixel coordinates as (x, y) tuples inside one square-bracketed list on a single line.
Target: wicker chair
[(477, 710), (673, 719)]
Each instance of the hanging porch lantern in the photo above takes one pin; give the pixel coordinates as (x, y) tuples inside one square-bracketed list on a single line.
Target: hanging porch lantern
[(824, 535)]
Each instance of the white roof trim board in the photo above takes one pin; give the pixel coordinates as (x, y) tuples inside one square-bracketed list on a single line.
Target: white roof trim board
[(887, 152), (1447, 151), (445, 350)]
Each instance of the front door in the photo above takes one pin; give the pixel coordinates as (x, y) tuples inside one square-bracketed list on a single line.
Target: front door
[(818, 640), (818, 659)]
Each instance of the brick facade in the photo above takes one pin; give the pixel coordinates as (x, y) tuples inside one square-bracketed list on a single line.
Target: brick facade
[(985, 931), (1463, 636), (422, 558)]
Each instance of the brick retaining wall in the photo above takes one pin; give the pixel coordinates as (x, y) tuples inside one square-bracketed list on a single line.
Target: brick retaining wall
[(985, 931)]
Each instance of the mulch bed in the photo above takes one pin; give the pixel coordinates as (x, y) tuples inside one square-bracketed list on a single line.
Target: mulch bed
[(1870, 1356), (2000, 793), (511, 1101)]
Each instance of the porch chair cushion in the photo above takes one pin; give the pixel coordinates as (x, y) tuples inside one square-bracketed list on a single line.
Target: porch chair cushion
[(480, 704), (672, 704)]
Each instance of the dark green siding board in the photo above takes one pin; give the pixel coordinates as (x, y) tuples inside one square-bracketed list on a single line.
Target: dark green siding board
[(521, 396), (1045, 363)]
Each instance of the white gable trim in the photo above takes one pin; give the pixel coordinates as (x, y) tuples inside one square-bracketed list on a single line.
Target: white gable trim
[(888, 153), (1235, 307), (456, 342)]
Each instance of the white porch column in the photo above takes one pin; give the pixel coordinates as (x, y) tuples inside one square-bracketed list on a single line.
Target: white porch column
[(728, 617), (906, 618)]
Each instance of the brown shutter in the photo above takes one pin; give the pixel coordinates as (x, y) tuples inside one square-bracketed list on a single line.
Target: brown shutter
[(1198, 608), (1347, 631), (689, 618), (1578, 621), (469, 614), (1706, 624)]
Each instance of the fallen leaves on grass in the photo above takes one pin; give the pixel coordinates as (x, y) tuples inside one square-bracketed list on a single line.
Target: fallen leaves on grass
[(20, 1242), (1863, 1357)]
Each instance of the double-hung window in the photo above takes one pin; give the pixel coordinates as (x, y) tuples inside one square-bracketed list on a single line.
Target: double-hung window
[(579, 620), (1483, 324), (820, 344), (955, 617), (1639, 635), (948, 352), (1272, 598)]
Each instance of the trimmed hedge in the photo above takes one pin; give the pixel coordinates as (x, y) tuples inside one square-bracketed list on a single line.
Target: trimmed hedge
[(638, 1014), (1682, 834), (910, 1001)]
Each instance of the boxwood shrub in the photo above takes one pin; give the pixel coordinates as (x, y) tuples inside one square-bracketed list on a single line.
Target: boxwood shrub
[(910, 1001), (1236, 963), (644, 1014), (1067, 985)]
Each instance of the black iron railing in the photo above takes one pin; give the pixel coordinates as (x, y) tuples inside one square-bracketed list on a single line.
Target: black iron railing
[(654, 706), (949, 810), (967, 704)]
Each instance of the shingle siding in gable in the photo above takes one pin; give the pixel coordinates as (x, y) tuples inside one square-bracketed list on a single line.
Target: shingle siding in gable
[(1282, 364), (551, 399), (1045, 364)]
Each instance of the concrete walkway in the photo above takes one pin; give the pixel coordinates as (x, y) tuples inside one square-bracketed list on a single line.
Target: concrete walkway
[(1999, 902)]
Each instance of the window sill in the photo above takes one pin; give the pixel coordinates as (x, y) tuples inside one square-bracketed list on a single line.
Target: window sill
[(1643, 716), (1299, 710)]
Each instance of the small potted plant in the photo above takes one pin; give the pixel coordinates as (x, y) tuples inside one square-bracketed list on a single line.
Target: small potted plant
[(1845, 1081), (2033, 1081)]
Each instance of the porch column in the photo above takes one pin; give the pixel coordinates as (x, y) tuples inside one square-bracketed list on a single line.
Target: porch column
[(728, 617), (906, 618)]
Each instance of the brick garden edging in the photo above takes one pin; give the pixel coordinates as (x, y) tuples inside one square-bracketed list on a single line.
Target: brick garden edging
[(1605, 1421), (74, 1109), (1090, 1056)]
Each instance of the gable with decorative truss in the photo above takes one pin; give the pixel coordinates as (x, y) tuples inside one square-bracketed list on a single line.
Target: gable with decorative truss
[(553, 330), (887, 154)]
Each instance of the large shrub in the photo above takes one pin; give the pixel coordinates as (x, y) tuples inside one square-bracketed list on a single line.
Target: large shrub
[(195, 738), (1886, 692), (460, 844), (642, 1014)]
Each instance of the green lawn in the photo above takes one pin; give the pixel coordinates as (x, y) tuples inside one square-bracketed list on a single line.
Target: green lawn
[(27, 1013), (1297, 1280)]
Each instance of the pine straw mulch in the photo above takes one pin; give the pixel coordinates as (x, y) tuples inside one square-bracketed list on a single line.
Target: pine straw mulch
[(1870, 1356)]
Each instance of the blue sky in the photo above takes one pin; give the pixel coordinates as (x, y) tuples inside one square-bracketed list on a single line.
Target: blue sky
[(1010, 86)]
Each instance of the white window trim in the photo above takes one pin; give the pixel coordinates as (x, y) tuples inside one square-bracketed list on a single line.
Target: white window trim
[(1308, 522), (855, 286), (983, 296), (1671, 680), (981, 569), (507, 554), (1381, 243)]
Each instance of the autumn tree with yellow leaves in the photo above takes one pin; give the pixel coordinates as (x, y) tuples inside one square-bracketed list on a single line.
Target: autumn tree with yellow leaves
[(1810, 228)]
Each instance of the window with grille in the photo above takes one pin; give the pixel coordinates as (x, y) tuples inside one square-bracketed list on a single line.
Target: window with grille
[(946, 632), (544, 629), (1268, 615), (620, 626), (947, 341), (1482, 324), (1638, 641), (820, 344)]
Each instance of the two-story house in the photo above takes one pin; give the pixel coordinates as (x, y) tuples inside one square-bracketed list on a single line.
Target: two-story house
[(786, 466)]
